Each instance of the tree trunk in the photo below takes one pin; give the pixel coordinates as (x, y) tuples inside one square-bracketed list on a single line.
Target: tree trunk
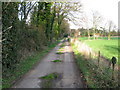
[(88, 34), (52, 22), (109, 35), (94, 34)]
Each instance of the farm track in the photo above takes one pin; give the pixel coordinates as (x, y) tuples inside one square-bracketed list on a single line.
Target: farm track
[(70, 75)]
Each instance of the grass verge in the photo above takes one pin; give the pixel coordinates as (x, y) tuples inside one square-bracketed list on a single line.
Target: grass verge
[(24, 66), (94, 77)]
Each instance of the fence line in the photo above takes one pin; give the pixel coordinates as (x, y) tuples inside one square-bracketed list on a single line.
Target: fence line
[(95, 57)]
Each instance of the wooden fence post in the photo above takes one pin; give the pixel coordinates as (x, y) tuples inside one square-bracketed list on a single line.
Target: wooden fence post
[(113, 65), (98, 57), (90, 55), (113, 62)]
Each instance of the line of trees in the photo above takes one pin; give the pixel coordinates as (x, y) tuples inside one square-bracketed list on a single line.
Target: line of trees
[(101, 32), (29, 26), (108, 30)]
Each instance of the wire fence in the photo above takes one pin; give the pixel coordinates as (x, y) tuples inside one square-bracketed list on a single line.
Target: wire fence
[(107, 67)]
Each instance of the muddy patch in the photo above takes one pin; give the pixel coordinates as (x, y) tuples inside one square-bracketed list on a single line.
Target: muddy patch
[(50, 80)]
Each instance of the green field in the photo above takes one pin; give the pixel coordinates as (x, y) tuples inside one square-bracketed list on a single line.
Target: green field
[(108, 48)]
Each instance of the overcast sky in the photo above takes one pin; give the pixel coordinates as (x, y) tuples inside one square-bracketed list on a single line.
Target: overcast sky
[(107, 8)]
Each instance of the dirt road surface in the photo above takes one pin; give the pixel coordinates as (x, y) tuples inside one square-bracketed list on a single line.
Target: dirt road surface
[(70, 75)]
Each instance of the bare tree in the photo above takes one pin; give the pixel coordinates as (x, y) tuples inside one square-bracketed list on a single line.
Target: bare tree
[(104, 29), (97, 18), (67, 11), (24, 9), (111, 26), (85, 20)]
